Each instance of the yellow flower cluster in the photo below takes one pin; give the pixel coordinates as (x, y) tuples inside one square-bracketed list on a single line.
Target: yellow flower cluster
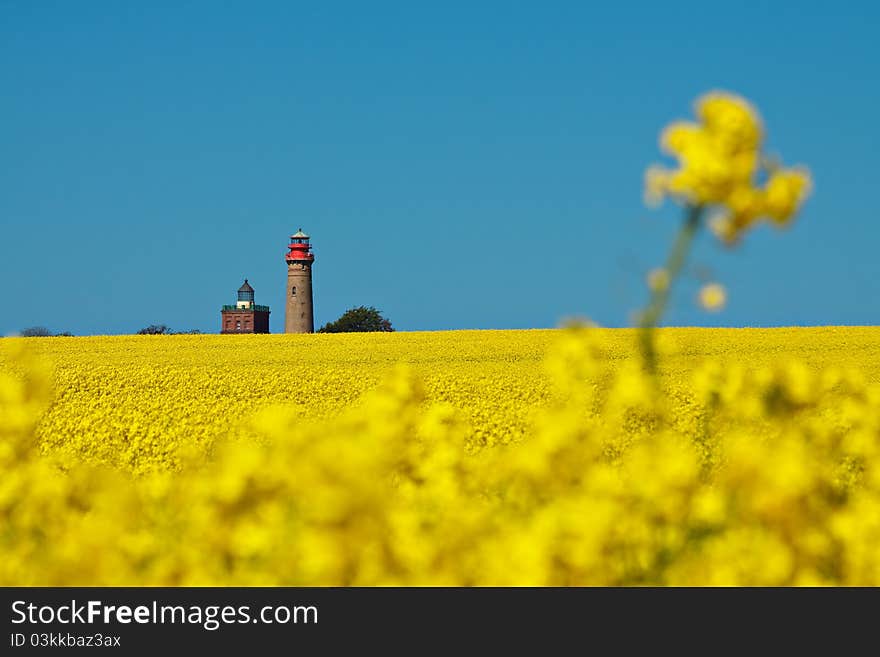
[(457, 458), (720, 164)]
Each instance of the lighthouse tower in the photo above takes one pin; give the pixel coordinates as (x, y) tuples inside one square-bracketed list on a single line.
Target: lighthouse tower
[(299, 317)]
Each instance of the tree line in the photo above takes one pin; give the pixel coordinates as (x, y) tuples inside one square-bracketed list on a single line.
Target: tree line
[(355, 320)]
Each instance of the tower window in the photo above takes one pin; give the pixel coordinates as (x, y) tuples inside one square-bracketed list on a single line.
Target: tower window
[(293, 291), (238, 326)]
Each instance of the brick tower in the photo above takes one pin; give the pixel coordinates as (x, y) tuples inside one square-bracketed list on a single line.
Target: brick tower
[(299, 316), (245, 316)]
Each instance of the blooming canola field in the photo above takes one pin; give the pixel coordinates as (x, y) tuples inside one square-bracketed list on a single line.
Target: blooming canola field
[(541, 457)]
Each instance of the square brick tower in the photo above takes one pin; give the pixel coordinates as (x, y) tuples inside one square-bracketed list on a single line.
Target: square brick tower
[(245, 316)]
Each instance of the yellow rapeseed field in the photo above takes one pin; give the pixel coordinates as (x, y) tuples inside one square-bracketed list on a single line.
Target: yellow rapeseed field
[(464, 457)]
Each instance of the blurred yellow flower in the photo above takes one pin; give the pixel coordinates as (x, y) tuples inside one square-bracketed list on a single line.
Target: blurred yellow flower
[(719, 165), (713, 296), (785, 192)]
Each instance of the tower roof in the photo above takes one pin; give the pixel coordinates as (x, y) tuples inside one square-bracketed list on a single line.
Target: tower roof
[(246, 287), (300, 234)]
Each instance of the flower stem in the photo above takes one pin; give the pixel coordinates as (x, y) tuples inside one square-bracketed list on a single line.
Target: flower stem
[(652, 315)]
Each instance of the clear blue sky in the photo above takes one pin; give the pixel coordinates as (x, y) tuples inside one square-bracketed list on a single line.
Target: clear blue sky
[(458, 165)]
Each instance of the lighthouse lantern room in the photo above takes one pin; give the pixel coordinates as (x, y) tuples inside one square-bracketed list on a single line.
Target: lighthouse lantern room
[(245, 296)]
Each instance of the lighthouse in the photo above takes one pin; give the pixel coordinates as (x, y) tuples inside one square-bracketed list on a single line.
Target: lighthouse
[(245, 316), (299, 316)]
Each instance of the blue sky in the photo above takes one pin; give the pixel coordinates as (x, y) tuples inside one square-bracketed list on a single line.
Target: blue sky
[(458, 165)]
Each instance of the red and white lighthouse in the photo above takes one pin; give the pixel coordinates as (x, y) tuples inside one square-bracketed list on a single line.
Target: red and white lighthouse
[(299, 316)]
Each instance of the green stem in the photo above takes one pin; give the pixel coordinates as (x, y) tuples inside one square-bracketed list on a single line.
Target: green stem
[(660, 295)]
